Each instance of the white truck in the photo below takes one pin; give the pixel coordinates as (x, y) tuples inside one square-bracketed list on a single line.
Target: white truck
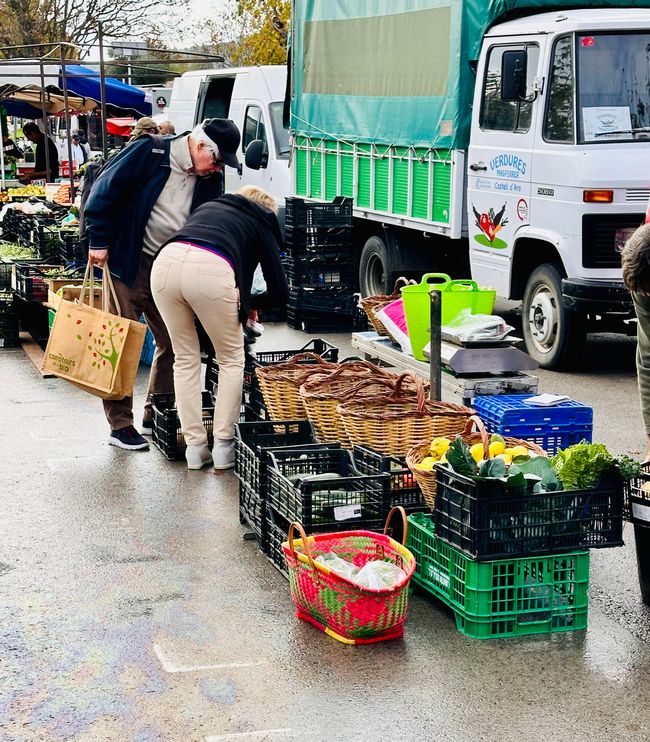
[(483, 135), (253, 97)]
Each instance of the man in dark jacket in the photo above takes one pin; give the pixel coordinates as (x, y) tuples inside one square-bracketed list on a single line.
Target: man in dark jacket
[(130, 213), (40, 172)]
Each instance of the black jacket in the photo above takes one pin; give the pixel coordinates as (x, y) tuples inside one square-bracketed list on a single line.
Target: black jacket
[(248, 234), (120, 203)]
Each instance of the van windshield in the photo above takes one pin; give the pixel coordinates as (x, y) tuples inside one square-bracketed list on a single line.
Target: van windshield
[(280, 134), (613, 74)]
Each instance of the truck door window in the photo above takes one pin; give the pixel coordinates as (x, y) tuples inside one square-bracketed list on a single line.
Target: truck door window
[(558, 123), (503, 115), (253, 126)]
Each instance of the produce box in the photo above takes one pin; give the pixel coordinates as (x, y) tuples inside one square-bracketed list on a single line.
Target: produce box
[(404, 490), (505, 597), (485, 521), (552, 428), (277, 532), (252, 512), (54, 284), (322, 488), (302, 214), (72, 293)]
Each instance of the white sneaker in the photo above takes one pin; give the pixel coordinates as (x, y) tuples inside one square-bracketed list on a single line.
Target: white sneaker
[(198, 456), (223, 454)]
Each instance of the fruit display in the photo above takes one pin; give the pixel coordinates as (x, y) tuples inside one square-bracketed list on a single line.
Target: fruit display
[(26, 191), (62, 196), (15, 251)]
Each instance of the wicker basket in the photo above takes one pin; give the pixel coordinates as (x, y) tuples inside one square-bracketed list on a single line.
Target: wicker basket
[(341, 608), (372, 304), (427, 479), (393, 423), (280, 383), (322, 393)]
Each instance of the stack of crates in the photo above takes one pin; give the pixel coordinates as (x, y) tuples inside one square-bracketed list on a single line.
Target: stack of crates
[(320, 265), (505, 597), (553, 428)]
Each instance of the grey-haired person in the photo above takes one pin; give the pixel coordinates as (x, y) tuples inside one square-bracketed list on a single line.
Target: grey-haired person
[(143, 196)]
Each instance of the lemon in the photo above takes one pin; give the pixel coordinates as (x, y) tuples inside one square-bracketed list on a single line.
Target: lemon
[(440, 446), (496, 438), (426, 464), (496, 447), (507, 459), (476, 451), (518, 451)]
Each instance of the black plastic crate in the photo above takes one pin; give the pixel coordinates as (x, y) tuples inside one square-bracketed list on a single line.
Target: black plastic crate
[(404, 490), (277, 532), (340, 497), (307, 273), (254, 440), (31, 281), (252, 513), (302, 213), (637, 498), (486, 522), (9, 321), (318, 241), (314, 322), (277, 314), (167, 434)]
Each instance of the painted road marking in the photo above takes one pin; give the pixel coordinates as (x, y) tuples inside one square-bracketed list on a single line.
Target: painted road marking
[(170, 666), (261, 735)]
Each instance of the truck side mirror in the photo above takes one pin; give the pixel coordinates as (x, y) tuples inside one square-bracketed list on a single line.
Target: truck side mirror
[(513, 75), (256, 155)]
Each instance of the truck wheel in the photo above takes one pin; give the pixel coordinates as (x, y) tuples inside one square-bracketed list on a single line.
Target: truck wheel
[(375, 273), (554, 336)]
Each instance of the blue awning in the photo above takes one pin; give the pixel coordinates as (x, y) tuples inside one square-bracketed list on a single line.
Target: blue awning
[(118, 94)]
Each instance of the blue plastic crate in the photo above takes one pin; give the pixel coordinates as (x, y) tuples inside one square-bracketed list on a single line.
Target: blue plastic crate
[(552, 428), (148, 348)]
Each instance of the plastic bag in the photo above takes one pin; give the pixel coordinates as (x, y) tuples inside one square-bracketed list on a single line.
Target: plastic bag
[(336, 564), (393, 318), (468, 327), (379, 575), (259, 282)]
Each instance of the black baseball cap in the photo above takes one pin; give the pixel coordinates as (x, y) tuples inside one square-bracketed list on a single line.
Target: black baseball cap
[(225, 134)]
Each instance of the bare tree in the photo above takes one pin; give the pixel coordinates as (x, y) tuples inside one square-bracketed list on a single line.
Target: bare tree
[(77, 21)]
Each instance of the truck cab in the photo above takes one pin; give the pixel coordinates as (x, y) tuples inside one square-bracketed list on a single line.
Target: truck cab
[(253, 98), (558, 169)]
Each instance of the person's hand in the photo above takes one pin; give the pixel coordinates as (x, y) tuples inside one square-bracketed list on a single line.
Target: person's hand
[(98, 257)]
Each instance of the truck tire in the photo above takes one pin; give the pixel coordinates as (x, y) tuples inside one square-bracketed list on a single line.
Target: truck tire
[(554, 336), (375, 270)]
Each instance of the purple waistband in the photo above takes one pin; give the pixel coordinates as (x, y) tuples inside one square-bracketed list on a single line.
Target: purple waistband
[(208, 248)]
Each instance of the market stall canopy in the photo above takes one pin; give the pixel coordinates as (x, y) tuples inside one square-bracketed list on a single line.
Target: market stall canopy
[(82, 82), (118, 94), (54, 102), (120, 126)]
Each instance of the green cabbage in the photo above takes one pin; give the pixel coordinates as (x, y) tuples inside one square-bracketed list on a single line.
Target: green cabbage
[(580, 466)]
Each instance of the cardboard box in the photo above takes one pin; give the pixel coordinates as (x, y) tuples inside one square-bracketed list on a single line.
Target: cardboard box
[(70, 293)]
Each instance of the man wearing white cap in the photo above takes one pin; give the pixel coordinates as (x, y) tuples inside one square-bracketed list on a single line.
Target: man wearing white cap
[(137, 203)]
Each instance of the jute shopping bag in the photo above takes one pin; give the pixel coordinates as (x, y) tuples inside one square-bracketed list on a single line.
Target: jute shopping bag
[(92, 348)]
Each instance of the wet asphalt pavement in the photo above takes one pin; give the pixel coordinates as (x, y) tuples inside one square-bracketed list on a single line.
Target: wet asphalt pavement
[(131, 609)]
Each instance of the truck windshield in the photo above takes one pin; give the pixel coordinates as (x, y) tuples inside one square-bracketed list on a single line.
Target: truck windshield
[(280, 134), (613, 75)]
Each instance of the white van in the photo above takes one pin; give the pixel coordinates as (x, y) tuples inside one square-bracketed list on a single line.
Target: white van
[(253, 97)]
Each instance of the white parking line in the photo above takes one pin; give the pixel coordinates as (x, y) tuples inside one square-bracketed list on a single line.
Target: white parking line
[(260, 735), (169, 666)]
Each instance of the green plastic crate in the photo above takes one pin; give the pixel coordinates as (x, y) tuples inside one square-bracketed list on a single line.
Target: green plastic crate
[(505, 597)]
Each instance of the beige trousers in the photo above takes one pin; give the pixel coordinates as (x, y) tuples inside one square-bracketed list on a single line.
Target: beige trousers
[(187, 281)]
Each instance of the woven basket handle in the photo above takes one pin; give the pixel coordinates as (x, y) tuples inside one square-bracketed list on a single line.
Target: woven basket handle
[(405, 524), (473, 420), (420, 391), (298, 527), (299, 358)]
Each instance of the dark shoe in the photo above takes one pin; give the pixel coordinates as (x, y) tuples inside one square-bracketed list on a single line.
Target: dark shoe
[(128, 438), (147, 427)]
